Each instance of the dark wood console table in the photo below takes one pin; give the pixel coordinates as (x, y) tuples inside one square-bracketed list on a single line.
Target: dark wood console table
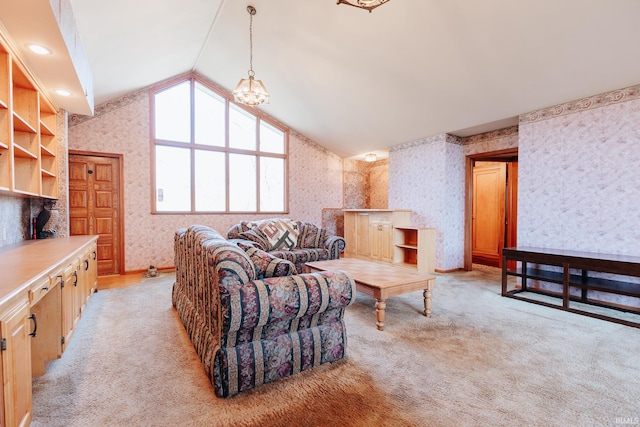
[(572, 272)]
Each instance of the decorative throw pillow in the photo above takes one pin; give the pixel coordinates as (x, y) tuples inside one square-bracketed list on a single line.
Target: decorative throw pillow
[(256, 237), (282, 234), (269, 266)]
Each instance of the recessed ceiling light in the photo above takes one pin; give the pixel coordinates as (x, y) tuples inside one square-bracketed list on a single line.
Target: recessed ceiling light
[(38, 49), (63, 92)]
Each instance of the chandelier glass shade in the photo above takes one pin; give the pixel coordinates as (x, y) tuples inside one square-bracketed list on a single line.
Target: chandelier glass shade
[(251, 91), (364, 4)]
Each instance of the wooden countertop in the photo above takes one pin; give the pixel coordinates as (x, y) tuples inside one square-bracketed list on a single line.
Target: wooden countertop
[(24, 263)]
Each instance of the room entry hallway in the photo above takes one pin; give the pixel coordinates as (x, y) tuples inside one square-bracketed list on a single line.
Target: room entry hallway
[(491, 213)]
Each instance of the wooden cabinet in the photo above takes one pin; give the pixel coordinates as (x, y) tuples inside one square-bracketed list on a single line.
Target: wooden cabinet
[(16, 366), (32, 293), (386, 235), (28, 128)]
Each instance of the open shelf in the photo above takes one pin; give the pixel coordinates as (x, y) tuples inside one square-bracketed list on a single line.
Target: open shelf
[(28, 131), (415, 247)]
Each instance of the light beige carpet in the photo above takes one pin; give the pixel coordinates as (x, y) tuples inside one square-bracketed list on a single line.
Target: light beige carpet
[(480, 360)]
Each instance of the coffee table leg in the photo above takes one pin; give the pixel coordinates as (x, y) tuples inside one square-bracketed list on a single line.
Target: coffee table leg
[(381, 305), (427, 301)]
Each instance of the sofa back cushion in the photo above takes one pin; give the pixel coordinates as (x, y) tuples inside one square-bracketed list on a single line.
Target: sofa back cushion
[(311, 236)]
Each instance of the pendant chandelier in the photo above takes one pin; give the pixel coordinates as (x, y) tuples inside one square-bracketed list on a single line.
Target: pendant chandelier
[(363, 4), (250, 91)]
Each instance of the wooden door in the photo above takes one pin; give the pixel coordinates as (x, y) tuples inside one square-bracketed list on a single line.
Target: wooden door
[(488, 213), (95, 204)]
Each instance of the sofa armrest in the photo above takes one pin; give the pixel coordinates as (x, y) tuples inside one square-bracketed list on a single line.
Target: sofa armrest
[(335, 245), (282, 299)]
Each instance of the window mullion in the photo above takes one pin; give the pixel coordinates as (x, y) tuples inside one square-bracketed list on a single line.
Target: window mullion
[(258, 190), (193, 140)]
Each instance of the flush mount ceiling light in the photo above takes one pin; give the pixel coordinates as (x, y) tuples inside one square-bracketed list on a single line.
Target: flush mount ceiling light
[(250, 91), (364, 4), (63, 92), (371, 157), (39, 49)]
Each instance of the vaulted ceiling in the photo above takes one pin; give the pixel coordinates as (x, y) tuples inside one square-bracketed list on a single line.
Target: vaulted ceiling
[(355, 81)]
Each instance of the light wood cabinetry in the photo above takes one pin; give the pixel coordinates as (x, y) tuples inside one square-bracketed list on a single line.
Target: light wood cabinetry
[(35, 313), (16, 365), (415, 247), (387, 236), (28, 128), (381, 241)]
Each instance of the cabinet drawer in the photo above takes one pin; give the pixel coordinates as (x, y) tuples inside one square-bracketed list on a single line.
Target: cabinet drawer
[(39, 290), (66, 275)]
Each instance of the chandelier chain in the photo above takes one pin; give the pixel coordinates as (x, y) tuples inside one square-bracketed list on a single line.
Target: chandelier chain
[(251, 72)]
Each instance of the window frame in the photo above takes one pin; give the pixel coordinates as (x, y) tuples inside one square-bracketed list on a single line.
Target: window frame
[(194, 78)]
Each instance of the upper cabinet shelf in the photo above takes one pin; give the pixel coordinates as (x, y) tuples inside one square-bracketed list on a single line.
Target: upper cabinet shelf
[(28, 131)]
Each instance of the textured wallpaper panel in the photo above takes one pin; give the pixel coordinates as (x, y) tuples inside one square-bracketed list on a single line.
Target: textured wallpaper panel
[(379, 184), (123, 128), (580, 181)]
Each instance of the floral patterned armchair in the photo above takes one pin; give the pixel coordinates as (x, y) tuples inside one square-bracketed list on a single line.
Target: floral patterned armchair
[(250, 317)]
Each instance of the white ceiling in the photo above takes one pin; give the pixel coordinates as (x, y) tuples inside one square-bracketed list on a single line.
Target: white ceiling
[(355, 81)]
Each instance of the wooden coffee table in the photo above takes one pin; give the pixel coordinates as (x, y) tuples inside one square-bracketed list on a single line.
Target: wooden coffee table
[(381, 281)]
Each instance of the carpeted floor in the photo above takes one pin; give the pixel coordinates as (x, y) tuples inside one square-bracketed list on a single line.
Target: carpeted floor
[(480, 360)]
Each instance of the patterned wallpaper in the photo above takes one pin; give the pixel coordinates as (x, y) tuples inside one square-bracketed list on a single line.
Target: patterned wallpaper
[(122, 127), (428, 177), (356, 184), (379, 184), (366, 185), (580, 180)]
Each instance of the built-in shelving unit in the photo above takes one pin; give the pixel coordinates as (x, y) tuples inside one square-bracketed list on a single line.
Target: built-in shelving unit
[(48, 149), (28, 128), (5, 124), (415, 247)]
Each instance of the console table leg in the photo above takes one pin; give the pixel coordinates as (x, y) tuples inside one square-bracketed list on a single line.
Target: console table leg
[(381, 305)]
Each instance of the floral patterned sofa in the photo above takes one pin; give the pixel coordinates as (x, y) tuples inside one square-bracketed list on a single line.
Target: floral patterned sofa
[(296, 241), (250, 317)]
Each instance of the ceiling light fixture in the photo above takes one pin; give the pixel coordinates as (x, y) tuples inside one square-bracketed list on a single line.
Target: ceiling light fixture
[(371, 157), (39, 49), (364, 4), (250, 91), (63, 92)]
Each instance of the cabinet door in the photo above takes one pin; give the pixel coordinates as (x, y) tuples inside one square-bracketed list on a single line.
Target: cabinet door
[(66, 280), (362, 235), (16, 366), (350, 234), (380, 241)]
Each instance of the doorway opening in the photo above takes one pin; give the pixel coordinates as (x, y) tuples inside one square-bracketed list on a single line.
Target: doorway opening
[(491, 206)]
